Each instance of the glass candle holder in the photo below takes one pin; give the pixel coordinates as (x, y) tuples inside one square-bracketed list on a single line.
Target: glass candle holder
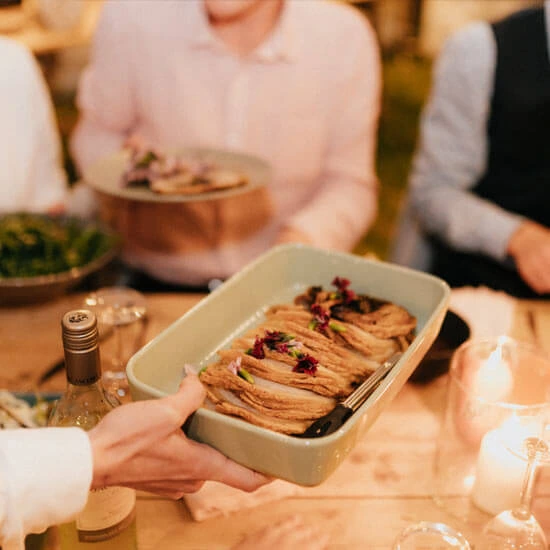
[(498, 392)]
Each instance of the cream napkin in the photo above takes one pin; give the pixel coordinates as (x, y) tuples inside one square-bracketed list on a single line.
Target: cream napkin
[(217, 499), (489, 313)]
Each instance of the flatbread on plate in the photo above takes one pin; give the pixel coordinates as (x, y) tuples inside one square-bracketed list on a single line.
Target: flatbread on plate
[(187, 184)]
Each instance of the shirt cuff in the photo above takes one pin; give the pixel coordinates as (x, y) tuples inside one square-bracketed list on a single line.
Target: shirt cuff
[(45, 477), (497, 231)]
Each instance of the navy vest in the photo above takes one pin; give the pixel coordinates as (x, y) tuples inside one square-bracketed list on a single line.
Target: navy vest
[(518, 171)]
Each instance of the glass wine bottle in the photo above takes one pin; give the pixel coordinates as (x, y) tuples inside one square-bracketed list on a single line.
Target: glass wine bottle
[(108, 519)]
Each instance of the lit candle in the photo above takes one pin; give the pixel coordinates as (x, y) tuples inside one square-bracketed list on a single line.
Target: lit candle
[(499, 472), (491, 382), (494, 381)]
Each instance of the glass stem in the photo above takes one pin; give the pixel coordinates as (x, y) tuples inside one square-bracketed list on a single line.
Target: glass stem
[(523, 512), (118, 343)]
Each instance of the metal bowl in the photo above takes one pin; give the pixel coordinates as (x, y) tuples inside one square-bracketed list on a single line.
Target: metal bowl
[(26, 290)]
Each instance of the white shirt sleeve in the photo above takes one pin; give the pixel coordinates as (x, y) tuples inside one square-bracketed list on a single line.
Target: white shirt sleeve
[(45, 476), (453, 149), (46, 172), (31, 170)]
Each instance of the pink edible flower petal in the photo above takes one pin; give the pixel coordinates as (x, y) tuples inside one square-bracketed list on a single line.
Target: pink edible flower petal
[(306, 364), (282, 348), (257, 350), (341, 283), (235, 366), (348, 296), (320, 316)]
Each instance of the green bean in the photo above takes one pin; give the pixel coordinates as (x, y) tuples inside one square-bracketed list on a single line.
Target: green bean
[(33, 244)]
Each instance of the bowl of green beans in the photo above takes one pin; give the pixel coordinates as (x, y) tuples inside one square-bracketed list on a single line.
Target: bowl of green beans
[(41, 256)]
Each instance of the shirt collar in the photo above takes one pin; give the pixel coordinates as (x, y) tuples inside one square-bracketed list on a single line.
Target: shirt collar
[(278, 46)]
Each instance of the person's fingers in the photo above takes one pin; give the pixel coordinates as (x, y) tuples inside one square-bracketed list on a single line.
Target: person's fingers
[(167, 487), (172, 494), (534, 274), (211, 464), (168, 484), (188, 398), (138, 428)]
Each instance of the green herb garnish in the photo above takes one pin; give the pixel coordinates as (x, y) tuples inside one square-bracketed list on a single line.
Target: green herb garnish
[(336, 327), (245, 375)]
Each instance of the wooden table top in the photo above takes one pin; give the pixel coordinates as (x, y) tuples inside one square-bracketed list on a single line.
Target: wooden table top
[(385, 484)]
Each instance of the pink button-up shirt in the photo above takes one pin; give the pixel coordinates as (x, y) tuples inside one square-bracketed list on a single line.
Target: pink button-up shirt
[(306, 100)]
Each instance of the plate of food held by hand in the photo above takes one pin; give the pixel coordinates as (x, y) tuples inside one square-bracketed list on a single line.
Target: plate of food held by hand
[(191, 174), (283, 343)]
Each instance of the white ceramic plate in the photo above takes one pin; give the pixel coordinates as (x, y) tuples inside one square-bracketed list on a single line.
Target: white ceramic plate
[(105, 175)]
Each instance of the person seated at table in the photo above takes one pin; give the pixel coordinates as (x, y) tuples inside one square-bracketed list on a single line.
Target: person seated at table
[(295, 83), (46, 473), (477, 210), (31, 167)]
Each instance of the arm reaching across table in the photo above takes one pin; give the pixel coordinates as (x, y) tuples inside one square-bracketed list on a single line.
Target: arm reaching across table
[(138, 445)]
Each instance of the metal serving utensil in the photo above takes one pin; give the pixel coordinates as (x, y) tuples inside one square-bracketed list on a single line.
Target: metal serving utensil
[(334, 419)]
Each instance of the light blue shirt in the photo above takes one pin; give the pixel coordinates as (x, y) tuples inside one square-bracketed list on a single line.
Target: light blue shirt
[(452, 156)]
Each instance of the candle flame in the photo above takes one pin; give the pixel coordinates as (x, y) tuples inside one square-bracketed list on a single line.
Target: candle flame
[(494, 379)]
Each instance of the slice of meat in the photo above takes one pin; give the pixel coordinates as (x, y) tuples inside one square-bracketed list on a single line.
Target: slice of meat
[(388, 321), (242, 410), (344, 360), (270, 397), (342, 341), (378, 349), (323, 382), (358, 338)]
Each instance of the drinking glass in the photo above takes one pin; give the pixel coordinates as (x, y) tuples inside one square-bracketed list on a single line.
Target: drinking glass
[(517, 528), (430, 536), (122, 321)]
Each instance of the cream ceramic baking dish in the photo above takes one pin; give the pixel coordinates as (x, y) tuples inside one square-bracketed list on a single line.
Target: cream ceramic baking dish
[(276, 277)]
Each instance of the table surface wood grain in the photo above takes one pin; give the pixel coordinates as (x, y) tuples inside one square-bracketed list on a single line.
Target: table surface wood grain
[(385, 484)]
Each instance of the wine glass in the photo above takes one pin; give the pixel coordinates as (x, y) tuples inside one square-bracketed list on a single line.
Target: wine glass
[(122, 319), (518, 529), (430, 535)]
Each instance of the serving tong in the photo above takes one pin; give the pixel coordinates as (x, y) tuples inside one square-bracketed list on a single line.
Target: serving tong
[(333, 420)]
